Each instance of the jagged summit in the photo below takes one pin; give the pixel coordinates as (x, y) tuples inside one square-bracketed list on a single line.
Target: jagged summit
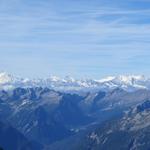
[(126, 82)]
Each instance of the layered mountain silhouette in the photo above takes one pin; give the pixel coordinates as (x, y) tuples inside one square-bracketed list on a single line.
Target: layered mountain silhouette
[(40, 118)]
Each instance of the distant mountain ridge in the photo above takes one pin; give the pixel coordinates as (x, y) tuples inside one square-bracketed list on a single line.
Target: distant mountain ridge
[(126, 82)]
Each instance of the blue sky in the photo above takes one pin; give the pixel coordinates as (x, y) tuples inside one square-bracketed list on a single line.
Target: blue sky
[(81, 38)]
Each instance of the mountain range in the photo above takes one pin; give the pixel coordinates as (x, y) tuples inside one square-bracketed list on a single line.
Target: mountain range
[(69, 114), (128, 82)]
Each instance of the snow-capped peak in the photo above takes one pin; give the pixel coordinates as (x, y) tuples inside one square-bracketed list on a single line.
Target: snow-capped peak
[(54, 78), (107, 79), (126, 82), (129, 78), (123, 78), (5, 78)]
